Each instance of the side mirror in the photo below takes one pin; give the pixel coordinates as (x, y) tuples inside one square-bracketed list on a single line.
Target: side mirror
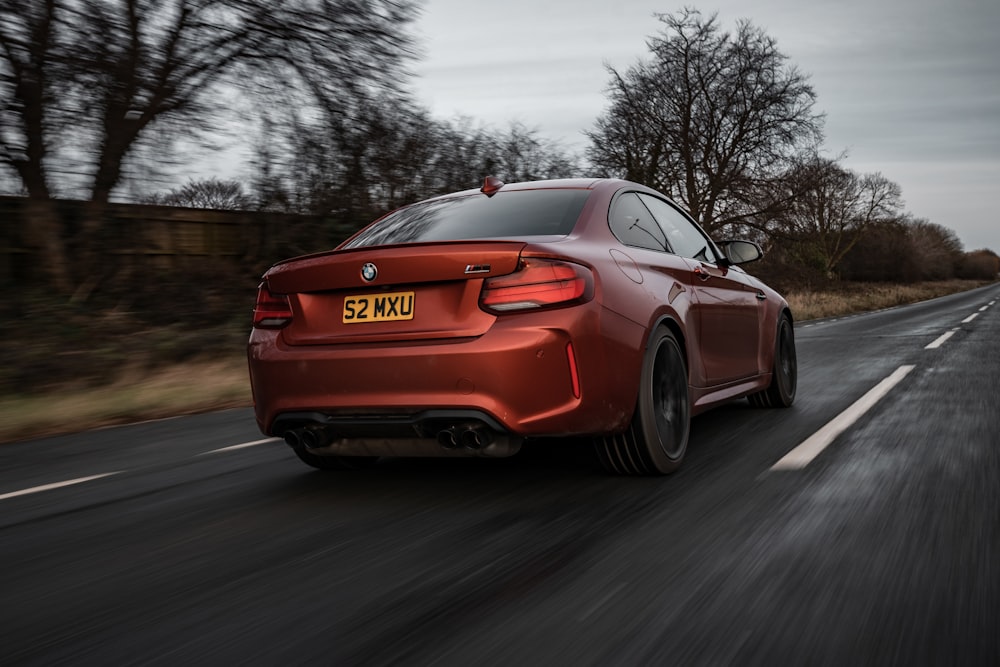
[(740, 252)]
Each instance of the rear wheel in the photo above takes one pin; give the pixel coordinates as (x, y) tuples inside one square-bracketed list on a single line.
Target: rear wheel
[(656, 440), (334, 462), (784, 373)]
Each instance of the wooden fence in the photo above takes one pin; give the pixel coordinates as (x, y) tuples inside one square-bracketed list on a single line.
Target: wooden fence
[(167, 237)]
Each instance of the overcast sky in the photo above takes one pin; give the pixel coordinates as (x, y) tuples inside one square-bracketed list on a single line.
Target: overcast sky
[(910, 88)]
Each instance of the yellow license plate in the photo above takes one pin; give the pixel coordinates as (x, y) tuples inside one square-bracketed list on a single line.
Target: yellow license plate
[(378, 307)]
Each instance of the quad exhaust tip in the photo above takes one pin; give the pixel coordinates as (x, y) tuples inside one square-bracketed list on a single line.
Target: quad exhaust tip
[(448, 439), (310, 437), (470, 436)]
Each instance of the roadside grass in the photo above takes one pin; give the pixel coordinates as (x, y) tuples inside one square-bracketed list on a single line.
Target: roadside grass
[(853, 298), (202, 384), (185, 388)]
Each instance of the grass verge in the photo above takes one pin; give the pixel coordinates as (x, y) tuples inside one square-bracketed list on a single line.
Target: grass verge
[(850, 298), (186, 388)]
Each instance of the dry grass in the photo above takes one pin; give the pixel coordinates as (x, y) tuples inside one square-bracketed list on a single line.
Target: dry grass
[(183, 389), (866, 297)]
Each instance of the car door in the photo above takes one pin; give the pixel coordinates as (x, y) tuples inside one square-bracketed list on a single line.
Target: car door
[(728, 309)]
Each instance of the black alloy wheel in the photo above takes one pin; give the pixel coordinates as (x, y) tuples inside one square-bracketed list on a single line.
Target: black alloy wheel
[(784, 372), (657, 438)]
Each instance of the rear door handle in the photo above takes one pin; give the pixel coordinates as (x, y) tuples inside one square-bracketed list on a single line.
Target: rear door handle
[(761, 296)]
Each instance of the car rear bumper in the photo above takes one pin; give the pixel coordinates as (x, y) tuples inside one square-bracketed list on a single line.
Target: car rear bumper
[(519, 374)]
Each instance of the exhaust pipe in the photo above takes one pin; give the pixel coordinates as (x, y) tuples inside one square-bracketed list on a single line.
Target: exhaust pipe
[(476, 437), (448, 438), (293, 438), (314, 437), (310, 437), (470, 436)]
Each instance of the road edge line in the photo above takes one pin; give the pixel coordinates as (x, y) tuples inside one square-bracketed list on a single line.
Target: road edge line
[(56, 485), (812, 446), (243, 445)]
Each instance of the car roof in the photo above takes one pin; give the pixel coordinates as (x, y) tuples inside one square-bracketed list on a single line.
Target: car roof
[(551, 184)]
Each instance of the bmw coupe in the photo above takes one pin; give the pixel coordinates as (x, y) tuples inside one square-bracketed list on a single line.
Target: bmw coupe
[(475, 323)]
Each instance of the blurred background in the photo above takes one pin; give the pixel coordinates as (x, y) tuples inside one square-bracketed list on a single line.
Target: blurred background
[(156, 156)]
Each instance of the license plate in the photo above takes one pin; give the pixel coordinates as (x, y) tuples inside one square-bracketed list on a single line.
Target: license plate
[(378, 307)]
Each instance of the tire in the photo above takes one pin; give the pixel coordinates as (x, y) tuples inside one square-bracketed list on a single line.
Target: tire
[(334, 462), (784, 373), (657, 438)]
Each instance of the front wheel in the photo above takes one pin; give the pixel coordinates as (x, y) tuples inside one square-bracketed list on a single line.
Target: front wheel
[(784, 373), (657, 438)]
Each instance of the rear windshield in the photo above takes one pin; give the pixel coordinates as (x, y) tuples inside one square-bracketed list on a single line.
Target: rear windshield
[(516, 214)]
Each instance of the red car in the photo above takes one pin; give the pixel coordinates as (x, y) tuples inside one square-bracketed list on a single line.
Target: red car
[(471, 323)]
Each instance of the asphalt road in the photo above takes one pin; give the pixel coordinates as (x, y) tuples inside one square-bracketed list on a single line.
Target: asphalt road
[(884, 549)]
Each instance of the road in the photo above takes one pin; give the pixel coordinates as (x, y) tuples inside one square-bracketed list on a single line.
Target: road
[(190, 541)]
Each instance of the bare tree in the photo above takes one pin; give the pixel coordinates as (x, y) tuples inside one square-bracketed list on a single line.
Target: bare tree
[(394, 153), (519, 154), (881, 254), (934, 249), (27, 40), (124, 66), (980, 265), (911, 250), (832, 208), (206, 193), (713, 119), (142, 60), (32, 70)]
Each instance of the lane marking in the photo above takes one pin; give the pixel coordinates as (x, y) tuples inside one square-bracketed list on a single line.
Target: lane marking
[(240, 446), (940, 341), (81, 480), (970, 318), (986, 307), (56, 485), (812, 446)]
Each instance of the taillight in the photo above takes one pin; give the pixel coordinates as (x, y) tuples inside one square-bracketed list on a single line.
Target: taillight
[(538, 283), (272, 311)]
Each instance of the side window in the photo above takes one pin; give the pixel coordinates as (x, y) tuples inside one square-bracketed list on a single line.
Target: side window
[(682, 234), (633, 225)]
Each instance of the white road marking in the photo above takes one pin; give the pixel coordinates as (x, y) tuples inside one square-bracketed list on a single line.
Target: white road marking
[(940, 341), (970, 318), (809, 449), (81, 480), (56, 485), (240, 446), (986, 307)]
